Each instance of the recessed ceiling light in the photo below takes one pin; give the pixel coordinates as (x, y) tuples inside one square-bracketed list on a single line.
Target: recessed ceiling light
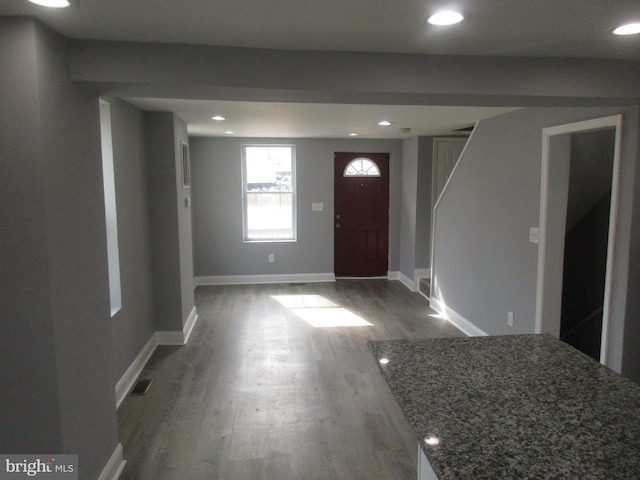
[(229, 132), (353, 134), (218, 118), (52, 3), (432, 441), (628, 29), (445, 18), (384, 123)]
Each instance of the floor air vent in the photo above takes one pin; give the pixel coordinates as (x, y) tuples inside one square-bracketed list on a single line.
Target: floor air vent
[(141, 387)]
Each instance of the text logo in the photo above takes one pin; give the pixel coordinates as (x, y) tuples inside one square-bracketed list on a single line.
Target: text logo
[(50, 467)]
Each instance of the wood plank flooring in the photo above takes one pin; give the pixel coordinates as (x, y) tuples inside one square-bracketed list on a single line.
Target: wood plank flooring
[(259, 393)]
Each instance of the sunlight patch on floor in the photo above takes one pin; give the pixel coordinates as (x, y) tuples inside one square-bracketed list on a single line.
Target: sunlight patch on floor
[(320, 312), (304, 301)]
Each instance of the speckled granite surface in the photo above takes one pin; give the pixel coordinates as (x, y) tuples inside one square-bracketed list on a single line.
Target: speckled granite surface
[(514, 407)]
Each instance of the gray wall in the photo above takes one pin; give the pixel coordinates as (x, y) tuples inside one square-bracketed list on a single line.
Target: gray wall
[(415, 234), (217, 207), (183, 222), (133, 325), (29, 417), (170, 222), (58, 392), (200, 72), (631, 351), (423, 202), (408, 194), (484, 263)]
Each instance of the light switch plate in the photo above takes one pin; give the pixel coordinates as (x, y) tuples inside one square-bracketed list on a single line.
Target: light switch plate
[(533, 234), (317, 207)]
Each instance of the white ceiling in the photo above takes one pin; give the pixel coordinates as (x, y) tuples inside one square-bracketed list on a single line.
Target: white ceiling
[(545, 28), (572, 28), (268, 119)]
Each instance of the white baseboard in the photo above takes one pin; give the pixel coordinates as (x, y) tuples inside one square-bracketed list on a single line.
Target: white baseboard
[(169, 337), (176, 337), (393, 275), (130, 376), (413, 285), (423, 273), (457, 320), (408, 282), (402, 278), (189, 324), (114, 466), (260, 279), (166, 337)]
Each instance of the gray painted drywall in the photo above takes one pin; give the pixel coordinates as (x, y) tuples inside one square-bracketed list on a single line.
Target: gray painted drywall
[(423, 203), (184, 221), (631, 351), (415, 234), (133, 325), (408, 193), (29, 405), (206, 72), (484, 264), (59, 394), (219, 249), (171, 249)]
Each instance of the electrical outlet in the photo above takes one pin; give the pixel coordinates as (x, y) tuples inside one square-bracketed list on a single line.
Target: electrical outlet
[(272, 258), (510, 319)]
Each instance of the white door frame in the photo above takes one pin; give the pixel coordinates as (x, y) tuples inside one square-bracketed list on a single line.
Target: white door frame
[(614, 121)]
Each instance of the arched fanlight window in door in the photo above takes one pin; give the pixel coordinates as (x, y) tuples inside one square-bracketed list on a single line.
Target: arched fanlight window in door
[(362, 167)]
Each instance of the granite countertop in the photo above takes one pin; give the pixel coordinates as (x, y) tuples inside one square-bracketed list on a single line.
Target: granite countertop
[(514, 407)]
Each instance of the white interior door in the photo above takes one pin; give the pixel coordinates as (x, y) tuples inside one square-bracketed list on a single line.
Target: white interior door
[(446, 154)]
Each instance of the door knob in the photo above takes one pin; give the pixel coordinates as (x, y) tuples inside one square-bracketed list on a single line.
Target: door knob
[(338, 225)]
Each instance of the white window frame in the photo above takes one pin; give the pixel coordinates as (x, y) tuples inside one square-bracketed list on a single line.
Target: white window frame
[(245, 192)]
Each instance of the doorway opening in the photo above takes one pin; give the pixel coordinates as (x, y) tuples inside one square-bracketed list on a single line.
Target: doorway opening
[(578, 216)]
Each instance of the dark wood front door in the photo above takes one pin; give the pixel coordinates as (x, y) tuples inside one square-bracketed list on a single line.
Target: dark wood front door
[(361, 215)]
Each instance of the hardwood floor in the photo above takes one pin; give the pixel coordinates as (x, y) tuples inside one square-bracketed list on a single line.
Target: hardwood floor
[(259, 393)]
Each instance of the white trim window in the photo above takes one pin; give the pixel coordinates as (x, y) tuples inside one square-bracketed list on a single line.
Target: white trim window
[(362, 167), (269, 193)]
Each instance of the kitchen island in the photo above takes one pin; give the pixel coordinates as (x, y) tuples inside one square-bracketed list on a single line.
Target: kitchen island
[(513, 407)]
